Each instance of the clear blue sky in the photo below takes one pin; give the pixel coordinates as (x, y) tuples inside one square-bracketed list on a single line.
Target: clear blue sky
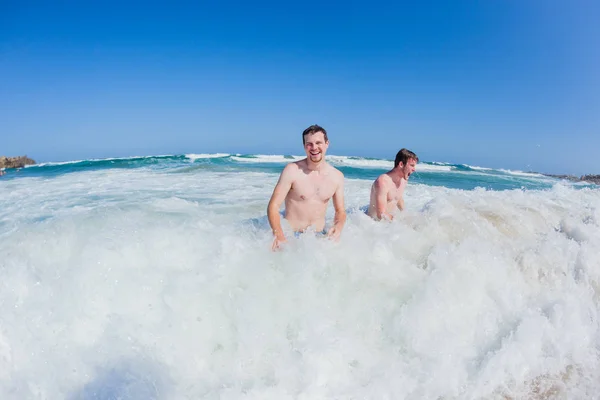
[(510, 84)]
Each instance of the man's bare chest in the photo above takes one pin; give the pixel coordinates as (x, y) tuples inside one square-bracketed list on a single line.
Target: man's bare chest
[(318, 188), (395, 193)]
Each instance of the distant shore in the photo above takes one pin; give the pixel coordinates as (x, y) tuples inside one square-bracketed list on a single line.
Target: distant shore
[(584, 178)]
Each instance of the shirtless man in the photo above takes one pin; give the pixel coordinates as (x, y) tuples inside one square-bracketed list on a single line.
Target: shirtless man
[(388, 188), (306, 186)]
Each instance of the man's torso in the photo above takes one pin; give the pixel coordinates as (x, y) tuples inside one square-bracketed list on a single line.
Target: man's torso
[(306, 202), (394, 195)]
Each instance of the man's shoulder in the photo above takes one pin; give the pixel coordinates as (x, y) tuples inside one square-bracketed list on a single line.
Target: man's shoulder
[(290, 172), (335, 170), (336, 173), (383, 180), (293, 166)]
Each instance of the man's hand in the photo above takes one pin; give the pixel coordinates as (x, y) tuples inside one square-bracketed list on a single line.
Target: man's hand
[(334, 232), (278, 241), (386, 216)]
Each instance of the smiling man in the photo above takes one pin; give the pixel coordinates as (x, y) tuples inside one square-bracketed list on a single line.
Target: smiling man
[(388, 189), (306, 186)]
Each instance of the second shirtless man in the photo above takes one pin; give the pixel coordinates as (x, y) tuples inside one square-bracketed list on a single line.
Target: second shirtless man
[(388, 189), (306, 186)]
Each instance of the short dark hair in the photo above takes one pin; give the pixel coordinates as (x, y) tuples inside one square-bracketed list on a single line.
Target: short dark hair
[(314, 129), (403, 156)]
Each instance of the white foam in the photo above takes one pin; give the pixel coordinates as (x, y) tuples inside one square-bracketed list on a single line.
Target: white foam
[(195, 157), (355, 162), (266, 158), (521, 173), (145, 284), (478, 168), (359, 162), (382, 164), (433, 168), (57, 163)]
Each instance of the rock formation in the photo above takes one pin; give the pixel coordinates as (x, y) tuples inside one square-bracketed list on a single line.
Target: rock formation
[(15, 162), (584, 178), (591, 178)]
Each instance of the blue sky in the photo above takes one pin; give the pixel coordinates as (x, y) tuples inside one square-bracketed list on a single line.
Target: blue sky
[(492, 83)]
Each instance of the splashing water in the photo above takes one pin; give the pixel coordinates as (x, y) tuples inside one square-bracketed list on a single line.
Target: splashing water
[(156, 281)]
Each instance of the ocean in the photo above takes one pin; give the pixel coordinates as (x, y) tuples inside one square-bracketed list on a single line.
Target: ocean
[(152, 278)]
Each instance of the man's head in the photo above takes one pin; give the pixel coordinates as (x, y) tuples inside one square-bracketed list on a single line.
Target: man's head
[(407, 161), (315, 143), (311, 130)]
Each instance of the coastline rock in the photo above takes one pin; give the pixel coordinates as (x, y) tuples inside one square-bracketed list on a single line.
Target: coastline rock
[(15, 162), (567, 177), (591, 178), (584, 178)]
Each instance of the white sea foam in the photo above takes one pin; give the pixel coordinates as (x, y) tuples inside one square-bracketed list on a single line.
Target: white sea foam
[(359, 162), (334, 160), (338, 161), (58, 163), (382, 164), (433, 168), (477, 168), (147, 284), (521, 173), (55, 163), (265, 158), (195, 157)]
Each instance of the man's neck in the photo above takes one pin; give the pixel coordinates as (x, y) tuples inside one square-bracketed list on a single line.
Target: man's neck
[(396, 175), (312, 166)]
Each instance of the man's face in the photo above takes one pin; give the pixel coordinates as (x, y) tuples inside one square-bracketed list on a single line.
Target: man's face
[(315, 146), (408, 168)]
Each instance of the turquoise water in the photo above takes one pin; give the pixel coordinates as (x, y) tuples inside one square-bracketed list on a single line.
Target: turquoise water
[(455, 176)]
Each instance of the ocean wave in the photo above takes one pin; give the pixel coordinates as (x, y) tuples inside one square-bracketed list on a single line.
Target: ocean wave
[(461, 176), (434, 168), (195, 157), (347, 161), (266, 158), (461, 293), (384, 164), (56, 163), (475, 168), (93, 160), (359, 162), (521, 173)]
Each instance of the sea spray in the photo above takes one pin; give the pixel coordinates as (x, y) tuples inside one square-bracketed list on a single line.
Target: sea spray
[(146, 282)]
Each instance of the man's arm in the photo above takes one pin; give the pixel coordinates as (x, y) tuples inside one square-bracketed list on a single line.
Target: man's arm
[(279, 193), (381, 194), (340, 212)]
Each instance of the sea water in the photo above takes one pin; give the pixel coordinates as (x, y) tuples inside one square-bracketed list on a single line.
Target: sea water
[(153, 278)]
